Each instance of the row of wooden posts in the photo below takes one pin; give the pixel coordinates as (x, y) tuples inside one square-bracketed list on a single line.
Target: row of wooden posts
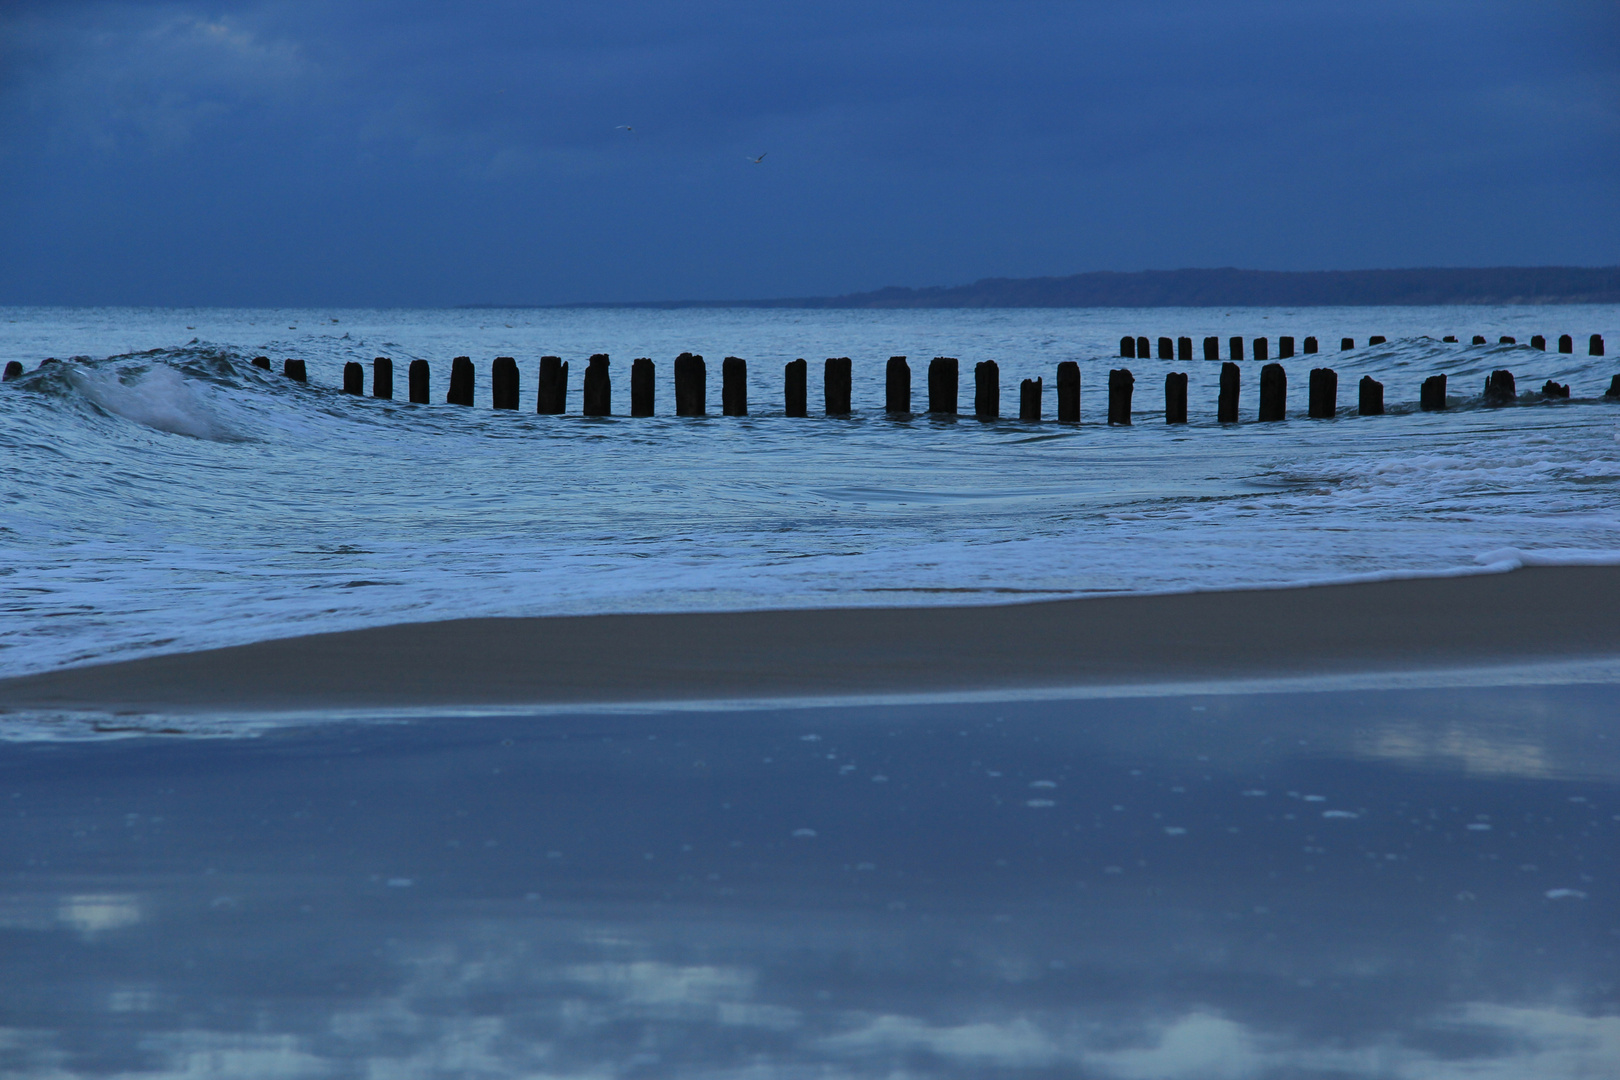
[(1141, 348), (691, 388)]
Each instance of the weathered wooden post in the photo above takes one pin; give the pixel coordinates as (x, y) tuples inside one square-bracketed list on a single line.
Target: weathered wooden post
[(1262, 349), (1212, 348), (1450, 339), (1167, 349), (1226, 405), (1614, 387), (734, 386), (1594, 347), (897, 386), (987, 390), (1555, 389), (1183, 348), (258, 362), (691, 385), (551, 397), (14, 368), (1234, 349), (598, 388), (1068, 392), (1479, 339), (1376, 339), (1285, 348), (1346, 344), (1371, 401), (1273, 392), (1507, 339), (419, 376), (942, 385), (1566, 344), (503, 383), (796, 388), (382, 378), (1432, 395), (1538, 342), (1310, 346), (1175, 397), (643, 386), (1029, 400), (1120, 384), (1142, 350), (1500, 388), (836, 379), (292, 369), (354, 378), (1323, 395), (1127, 348), (461, 382)]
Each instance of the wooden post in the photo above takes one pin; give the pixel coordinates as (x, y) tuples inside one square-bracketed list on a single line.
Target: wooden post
[(691, 385), (1234, 349), (1226, 406), (942, 385), (1127, 348), (1566, 344), (1175, 397), (419, 382), (1432, 395), (1376, 339), (1500, 389), (14, 368), (1594, 347), (551, 398), (1262, 349), (1310, 346), (734, 386), (643, 386), (1555, 389), (1323, 401), (1538, 342), (1450, 339), (1372, 397), (987, 390), (1614, 387), (461, 382), (1273, 392), (1479, 339), (1183, 348), (897, 386), (1120, 384), (1346, 344), (1507, 339), (1143, 352), (835, 385), (258, 362), (1285, 348), (354, 378), (1167, 349), (382, 378), (598, 389), (796, 388), (503, 383), (1212, 348), (1029, 400), (292, 369), (1068, 392)]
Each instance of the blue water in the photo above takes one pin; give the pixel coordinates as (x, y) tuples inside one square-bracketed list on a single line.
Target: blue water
[(158, 493)]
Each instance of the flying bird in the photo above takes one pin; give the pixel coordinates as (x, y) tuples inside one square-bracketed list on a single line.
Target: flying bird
[(624, 127), (755, 160)]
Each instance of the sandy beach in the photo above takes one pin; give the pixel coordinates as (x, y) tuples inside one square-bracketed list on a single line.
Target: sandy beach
[(1529, 615)]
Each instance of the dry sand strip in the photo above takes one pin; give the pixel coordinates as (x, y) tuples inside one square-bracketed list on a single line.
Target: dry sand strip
[(1530, 615)]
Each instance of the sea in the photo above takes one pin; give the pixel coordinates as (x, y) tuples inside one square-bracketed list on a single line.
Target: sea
[(159, 493)]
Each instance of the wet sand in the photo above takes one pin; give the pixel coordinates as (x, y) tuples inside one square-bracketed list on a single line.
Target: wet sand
[(1529, 615)]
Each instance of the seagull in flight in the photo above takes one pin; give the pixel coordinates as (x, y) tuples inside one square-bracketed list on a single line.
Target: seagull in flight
[(624, 127), (755, 160)]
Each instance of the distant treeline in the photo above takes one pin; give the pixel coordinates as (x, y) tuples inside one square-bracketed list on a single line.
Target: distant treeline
[(1237, 288)]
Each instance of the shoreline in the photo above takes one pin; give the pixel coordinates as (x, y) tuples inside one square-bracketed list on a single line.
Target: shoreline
[(1533, 614)]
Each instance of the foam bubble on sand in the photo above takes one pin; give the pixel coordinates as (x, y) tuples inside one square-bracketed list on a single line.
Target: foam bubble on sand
[(160, 398)]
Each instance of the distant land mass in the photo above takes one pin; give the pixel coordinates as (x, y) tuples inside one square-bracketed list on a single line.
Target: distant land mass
[(1228, 287)]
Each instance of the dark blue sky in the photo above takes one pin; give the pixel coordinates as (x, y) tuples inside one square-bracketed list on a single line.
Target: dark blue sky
[(341, 152)]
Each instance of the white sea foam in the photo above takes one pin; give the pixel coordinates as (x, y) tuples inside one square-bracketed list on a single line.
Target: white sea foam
[(160, 398)]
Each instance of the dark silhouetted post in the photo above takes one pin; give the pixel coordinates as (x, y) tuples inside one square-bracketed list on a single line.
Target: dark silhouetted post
[(1376, 339), (14, 368), (1029, 399), (1594, 346), (1432, 395), (1212, 348), (1566, 344), (796, 388), (461, 382), (1167, 349), (1310, 346), (897, 386), (598, 389), (643, 386), (1450, 339), (1262, 349), (292, 369), (1120, 384), (986, 390), (1555, 389), (262, 362), (1273, 392), (1127, 348), (382, 378), (1175, 397), (1614, 387), (1479, 339), (1183, 348), (1285, 348), (551, 397), (1323, 394), (1538, 342), (1226, 406), (835, 384), (354, 378), (1234, 349), (691, 385), (1507, 340), (503, 383), (1371, 401), (734, 386), (1346, 344), (1143, 352), (1500, 388), (1068, 392), (419, 375), (942, 385)]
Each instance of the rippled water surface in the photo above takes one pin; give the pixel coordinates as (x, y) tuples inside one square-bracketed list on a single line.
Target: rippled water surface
[(157, 492)]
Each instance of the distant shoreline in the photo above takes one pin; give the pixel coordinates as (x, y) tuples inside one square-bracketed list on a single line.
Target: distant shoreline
[(1223, 287)]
